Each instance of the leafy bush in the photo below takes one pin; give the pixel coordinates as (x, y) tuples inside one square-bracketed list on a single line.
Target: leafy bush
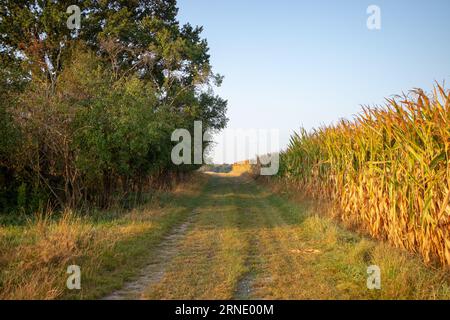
[(90, 114)]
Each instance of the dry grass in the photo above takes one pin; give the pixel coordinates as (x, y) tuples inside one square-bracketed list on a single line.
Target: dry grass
[(243, 242), (36, 264), (248, 243), (211, 257), (109, 247)]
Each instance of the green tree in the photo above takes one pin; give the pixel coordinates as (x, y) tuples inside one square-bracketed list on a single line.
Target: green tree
[(90, 112)]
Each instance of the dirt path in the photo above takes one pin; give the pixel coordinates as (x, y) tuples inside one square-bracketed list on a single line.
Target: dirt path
[(244, 242), (155, 270)]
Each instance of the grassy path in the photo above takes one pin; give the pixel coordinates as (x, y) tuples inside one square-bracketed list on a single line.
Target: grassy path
[(214, 236), (118, 251), (246, 243)]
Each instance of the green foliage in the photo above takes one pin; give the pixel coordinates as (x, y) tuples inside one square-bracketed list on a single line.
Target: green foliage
[(89, 113), (22, 196)]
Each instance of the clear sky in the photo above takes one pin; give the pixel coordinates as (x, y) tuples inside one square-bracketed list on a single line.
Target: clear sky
[(293, 63)]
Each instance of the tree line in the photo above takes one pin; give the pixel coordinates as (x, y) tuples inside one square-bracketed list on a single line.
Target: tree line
[(86, 115)]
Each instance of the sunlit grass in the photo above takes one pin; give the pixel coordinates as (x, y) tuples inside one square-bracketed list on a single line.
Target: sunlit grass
[(109, 247)]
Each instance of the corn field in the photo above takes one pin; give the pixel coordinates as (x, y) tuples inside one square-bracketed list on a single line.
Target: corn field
[(387, 171)]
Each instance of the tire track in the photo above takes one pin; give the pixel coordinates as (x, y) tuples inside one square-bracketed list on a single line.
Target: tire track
[(154, 272)]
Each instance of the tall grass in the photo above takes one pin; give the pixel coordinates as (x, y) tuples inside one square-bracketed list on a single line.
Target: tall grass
[(109, 246), (387, 170)]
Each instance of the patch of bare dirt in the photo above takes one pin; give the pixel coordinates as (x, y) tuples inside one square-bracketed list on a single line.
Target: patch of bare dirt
[(154, 271)]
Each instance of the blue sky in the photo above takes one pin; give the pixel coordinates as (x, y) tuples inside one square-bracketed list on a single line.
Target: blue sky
[(289, 64)]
